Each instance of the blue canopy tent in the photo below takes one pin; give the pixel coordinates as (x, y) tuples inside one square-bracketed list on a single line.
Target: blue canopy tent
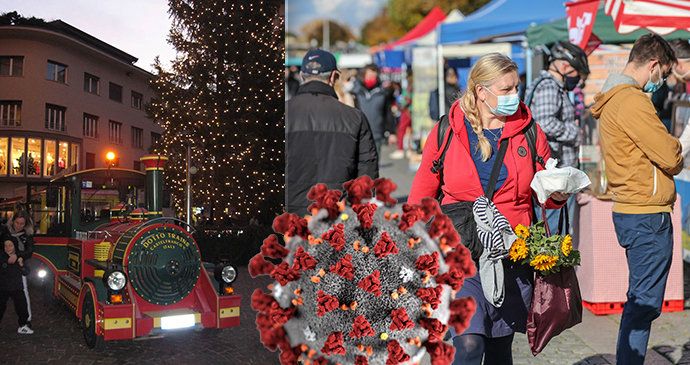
[(505, 19), (501, 17)]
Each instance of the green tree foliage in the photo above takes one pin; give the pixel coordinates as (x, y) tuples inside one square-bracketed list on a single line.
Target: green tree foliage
[(14, 18), (338, 32), (399, 16), (381, 29), (408, 13)]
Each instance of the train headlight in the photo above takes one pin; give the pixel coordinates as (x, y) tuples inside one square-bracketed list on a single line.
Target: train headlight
[(225, 274), (116, 280), (228, 274)]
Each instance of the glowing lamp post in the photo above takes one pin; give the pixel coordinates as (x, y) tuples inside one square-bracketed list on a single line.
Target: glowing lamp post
[(110, 158)]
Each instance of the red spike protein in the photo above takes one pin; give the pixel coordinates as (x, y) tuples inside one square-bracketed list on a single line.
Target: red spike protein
[(362, 281)]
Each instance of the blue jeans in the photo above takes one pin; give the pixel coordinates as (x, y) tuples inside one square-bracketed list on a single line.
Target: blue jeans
[(648, 243)]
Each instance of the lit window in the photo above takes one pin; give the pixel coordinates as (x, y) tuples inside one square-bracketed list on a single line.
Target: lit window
[(50, 153), (17, 156), (74, 156), (63, 150), (4, 143), (33, 157)]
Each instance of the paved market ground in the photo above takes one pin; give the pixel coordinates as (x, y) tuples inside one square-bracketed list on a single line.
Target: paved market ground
[(592, 342), (58, 339)]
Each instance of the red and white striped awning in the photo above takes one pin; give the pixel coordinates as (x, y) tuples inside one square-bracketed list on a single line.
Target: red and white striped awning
[(659, 16)]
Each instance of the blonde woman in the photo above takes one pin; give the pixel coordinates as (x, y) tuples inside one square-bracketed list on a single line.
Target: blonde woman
[(488, 113)]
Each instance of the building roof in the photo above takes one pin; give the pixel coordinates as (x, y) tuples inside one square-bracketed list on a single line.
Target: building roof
[(64, 29)]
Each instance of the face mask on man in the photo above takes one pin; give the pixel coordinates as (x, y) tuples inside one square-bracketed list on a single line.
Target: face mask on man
[(506, 104), (650, 86), (679, 76), (571, 82)]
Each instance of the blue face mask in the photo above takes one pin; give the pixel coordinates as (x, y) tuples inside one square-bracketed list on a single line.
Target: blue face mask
[(507, 104), (650, 86)]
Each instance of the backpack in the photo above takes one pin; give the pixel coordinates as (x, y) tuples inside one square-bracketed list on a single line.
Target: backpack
[(530, 132)]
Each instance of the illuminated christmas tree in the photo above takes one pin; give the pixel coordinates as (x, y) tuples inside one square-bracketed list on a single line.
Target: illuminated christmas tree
[(225, 88)]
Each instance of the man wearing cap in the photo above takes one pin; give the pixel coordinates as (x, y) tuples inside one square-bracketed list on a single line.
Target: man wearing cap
[(553, 110), (326, 141)]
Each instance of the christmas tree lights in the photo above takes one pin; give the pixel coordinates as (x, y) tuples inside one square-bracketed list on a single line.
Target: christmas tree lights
[(225, 91)]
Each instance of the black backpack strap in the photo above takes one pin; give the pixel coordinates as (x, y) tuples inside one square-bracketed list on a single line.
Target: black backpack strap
[(442, 141), (443, 125), (496, 169), (531, 136)]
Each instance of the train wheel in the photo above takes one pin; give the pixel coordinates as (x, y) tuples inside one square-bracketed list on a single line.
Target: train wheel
[(88, 323)]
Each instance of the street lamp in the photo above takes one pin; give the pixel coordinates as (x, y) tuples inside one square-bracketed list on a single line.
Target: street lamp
[(110, 158)]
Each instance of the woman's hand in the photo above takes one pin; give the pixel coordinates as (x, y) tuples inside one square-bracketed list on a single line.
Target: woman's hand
[(559, 197), (12, 259)]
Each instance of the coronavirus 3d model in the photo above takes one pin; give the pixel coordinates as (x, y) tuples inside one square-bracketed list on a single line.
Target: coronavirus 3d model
[(362, 281)]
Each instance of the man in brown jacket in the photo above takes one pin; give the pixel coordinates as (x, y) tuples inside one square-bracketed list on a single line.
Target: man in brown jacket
[(641, 159)]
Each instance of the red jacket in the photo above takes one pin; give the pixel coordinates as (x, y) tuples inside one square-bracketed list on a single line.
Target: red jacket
[(461, 180)]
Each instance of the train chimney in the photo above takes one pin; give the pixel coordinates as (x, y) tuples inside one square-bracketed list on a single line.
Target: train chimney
[(154, 184)]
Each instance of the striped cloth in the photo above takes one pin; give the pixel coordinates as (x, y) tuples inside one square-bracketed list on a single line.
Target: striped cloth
[(496, 235)]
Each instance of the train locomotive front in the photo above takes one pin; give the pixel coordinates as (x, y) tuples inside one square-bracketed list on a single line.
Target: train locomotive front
[(139, 274)]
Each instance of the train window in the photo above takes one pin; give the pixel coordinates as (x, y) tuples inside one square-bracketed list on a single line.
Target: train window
[(50, 207), (96, 203)]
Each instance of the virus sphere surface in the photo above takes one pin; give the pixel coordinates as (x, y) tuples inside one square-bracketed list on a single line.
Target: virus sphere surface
[(361, 280)]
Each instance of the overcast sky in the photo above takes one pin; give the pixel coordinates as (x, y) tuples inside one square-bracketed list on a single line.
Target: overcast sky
[(351, 12), (138, 27)]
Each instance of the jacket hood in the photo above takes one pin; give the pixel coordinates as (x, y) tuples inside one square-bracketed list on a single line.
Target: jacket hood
[(515, 123), (613, 85)]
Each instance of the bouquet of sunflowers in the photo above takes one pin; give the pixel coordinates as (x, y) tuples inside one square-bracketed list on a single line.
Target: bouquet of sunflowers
[(546, 254)]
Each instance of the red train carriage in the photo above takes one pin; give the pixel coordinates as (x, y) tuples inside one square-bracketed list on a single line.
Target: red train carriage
[(123, 269)]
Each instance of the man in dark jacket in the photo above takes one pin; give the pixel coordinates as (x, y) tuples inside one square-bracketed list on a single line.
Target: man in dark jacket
[(326, 141), (375, 102)]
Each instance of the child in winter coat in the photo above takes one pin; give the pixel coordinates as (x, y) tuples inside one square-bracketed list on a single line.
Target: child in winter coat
[(11, 285)]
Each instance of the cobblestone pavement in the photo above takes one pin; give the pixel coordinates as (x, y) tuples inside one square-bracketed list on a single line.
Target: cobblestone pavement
[(592, 342), (58, 338)]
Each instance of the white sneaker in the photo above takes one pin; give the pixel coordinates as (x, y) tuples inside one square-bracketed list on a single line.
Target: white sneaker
[(397, 155), (25, 330)]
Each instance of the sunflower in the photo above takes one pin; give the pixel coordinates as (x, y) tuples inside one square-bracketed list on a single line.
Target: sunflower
[(544, 262), (567, 245), (522, 231), (518, 250)]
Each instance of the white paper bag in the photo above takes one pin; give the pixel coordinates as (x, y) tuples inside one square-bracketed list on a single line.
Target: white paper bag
[(566, 180)]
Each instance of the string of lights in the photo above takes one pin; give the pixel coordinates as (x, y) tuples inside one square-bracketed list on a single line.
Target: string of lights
[(225, 90)]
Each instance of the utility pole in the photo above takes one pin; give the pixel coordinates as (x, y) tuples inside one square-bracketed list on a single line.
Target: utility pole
[(326, 35), (189, 185)]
